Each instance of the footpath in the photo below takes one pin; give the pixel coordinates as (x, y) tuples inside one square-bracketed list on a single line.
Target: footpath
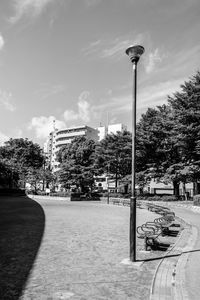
[(171, 277), (57, 250)]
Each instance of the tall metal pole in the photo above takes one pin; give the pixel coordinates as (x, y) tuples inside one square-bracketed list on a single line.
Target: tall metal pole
[(134, 52), (133, 196)]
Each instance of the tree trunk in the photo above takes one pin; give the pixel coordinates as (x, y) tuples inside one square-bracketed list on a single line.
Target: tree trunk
[(196, 187), (43, 184), (176, 188), (116, 181), (184, 191), (35, 187)]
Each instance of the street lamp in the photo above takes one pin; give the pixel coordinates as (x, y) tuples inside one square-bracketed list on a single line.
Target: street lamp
[(134, 53)]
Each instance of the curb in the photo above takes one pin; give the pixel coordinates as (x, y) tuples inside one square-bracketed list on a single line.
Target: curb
[(154, 285), (180, 291), (169, 277)]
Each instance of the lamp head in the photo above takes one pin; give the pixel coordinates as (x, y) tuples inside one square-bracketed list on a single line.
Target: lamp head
[(134, 53)]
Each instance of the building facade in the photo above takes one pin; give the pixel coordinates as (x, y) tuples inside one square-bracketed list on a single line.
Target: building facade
[(110, 129), (66, 135), (62, 137)]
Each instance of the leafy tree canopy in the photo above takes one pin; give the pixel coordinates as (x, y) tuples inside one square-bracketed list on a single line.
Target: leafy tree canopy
[(19, 155), (76, 163), (113, 155)]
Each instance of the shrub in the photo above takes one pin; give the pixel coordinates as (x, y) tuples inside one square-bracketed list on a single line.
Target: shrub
[(196, 200), (161, 197), (41, 193), (169, 198), (60, 194)]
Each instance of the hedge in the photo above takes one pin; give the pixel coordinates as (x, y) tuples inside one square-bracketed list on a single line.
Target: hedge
[(196, 200)]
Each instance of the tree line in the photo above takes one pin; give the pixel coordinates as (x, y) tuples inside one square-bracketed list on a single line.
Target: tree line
[(21, 162), (167, 148)]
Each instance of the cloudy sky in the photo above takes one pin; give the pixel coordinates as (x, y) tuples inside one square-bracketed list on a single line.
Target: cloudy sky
[(65, 60)]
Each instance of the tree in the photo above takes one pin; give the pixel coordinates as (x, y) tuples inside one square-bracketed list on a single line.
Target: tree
[(154, 142), (186, 111), (77, 163), (168, 137), (38, 178), (20, 155), (8, 177), (113, 155)]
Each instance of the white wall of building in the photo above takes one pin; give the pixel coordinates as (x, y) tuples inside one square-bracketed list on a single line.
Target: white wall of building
[(113, 128), (59, 138)]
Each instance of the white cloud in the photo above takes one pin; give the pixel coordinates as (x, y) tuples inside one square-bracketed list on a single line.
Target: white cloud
[(30, 8), (113, 48), (84, 111), (44, 125), (70, 115), (157, 94), (152, 60), (17, 133), (6, 101), (151, 96), (3, 138), (91, 3), (2, 42), (84, 106), (46, 90)]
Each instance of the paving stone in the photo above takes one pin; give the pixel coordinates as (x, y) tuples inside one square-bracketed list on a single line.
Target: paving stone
[(81, 252)]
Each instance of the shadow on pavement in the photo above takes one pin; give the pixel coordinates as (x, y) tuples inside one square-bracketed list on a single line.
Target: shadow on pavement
[(22, 223), (161, 246), (167, 256), (172, 233)]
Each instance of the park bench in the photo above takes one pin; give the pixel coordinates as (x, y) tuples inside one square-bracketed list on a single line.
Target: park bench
[(126, 202), (116, 201), (150, 232), (157, 208), (166, 221)]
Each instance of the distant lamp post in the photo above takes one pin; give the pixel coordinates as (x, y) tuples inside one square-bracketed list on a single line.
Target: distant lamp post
[(108, 197), (134, 53), (108, 174)]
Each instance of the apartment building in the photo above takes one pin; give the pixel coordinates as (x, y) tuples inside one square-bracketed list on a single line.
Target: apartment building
[(113, 128), (62, 137), (50, 150), (66, 135)]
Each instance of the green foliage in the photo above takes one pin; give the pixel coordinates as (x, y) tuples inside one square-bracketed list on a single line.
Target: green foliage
[(186, 111), (8, 177), (36, 177), (113, 155), (161, 197), (168, 137), (196, 200), (77, 163), (20, 156)]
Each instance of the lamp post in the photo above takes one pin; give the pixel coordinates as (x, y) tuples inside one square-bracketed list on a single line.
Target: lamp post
[(134, 53), (108, 174)]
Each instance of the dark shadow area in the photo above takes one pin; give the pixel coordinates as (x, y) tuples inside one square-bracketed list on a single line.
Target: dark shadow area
[(22, 223), (85, 196), (160, 246), (168, 256), (171, 233)]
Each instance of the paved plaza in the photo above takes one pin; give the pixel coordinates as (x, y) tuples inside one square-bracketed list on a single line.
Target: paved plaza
[(82, 251), (79, 250)]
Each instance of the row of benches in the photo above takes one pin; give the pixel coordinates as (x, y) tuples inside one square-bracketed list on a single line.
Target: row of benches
[(151, 231), (124, 202)]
